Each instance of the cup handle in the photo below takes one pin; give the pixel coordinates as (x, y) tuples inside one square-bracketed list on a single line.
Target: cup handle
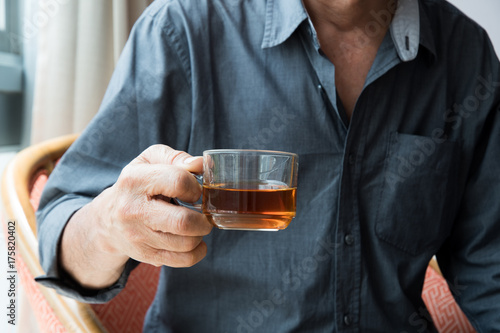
[(194, 206)]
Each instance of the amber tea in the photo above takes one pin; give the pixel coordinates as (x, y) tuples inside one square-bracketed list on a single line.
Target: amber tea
[(249, 206)]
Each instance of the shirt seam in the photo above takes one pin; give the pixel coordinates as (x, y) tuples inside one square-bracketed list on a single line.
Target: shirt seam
[(169, 33), (268, 25)]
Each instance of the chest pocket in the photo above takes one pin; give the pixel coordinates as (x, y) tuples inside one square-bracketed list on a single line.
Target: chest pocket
[(416, 204)]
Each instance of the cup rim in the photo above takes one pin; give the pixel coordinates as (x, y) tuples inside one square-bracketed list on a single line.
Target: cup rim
[(264, 152)]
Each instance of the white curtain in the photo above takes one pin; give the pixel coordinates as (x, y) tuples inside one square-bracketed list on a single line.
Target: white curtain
[(79, 42)]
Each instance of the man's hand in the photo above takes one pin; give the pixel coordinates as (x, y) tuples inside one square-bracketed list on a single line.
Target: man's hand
[(135, 219)]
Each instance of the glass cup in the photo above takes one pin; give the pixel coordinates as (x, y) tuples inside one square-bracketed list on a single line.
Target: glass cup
[(249, 189)]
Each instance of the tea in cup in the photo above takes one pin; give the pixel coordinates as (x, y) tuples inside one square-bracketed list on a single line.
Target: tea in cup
[(249, 189)]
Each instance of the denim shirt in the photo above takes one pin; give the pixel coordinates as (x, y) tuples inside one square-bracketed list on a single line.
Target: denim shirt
[(414, 172)]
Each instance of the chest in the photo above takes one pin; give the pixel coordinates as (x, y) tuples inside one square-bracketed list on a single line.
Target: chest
[(352, 58)]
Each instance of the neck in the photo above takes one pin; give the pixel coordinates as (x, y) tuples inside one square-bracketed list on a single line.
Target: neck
[(347, 15)]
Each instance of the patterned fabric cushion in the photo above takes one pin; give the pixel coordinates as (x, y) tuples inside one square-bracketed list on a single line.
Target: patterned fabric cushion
[(37, 185), (126, 312), (444, 311)]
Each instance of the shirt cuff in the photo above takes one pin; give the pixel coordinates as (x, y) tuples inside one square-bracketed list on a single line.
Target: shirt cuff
[(65, 285), (51, 223)]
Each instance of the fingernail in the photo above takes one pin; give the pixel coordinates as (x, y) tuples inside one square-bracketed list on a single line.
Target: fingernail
[(189, 160)]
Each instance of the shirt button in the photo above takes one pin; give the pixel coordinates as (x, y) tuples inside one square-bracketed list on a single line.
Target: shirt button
[(352, 159), (347, 320), (349, 239)]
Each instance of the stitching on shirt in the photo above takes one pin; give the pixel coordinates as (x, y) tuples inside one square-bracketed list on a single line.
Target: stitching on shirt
[(181, 54), (169, 32), (276, 39), (268, 26)]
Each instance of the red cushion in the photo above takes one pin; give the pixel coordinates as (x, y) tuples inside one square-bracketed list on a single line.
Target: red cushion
[(126, 312), (445, 313)]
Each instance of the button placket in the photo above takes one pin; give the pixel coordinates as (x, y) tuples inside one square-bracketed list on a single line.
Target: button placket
[(349, 281)]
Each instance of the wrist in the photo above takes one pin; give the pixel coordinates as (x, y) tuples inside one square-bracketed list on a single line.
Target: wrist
[(104, 235)]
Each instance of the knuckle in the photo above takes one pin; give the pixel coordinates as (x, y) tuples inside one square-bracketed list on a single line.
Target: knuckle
[(181, 182), (143, 254), (127, 178), (123, 212), (146, 155), (190, 243), (128, 219), (157, 257), (156, 147), (175, 259), (152, 256), (180, 222), (200, 252), (130, 210), (160, 152), (193, 258), (134, 236), (151, 174), (174, 155), (207, 226)]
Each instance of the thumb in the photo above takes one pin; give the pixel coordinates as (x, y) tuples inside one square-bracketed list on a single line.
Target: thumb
[(162, 154)]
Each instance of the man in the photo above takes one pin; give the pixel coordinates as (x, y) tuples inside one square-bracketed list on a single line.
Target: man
[(393, 110)]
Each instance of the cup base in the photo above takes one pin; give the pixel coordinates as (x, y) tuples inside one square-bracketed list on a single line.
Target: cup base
[(249, 222), (246, 229)]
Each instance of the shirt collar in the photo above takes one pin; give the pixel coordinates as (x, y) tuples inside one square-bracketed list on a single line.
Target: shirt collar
[(410, 26), (282, 19), (405, 29), (410, 29)]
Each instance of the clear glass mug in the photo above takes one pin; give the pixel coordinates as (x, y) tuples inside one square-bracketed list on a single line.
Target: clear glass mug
[(249, 189)]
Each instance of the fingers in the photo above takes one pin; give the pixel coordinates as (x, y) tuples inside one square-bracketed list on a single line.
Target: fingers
[(160, 257), (161, 233), (158, 179), (174, 239), (185, 259), (172, 243), (161, 154), (147, 227), (161, 170), (168, 218), (146, 237)]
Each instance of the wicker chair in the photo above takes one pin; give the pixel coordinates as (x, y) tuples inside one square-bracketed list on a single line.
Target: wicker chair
[(22, 185)]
